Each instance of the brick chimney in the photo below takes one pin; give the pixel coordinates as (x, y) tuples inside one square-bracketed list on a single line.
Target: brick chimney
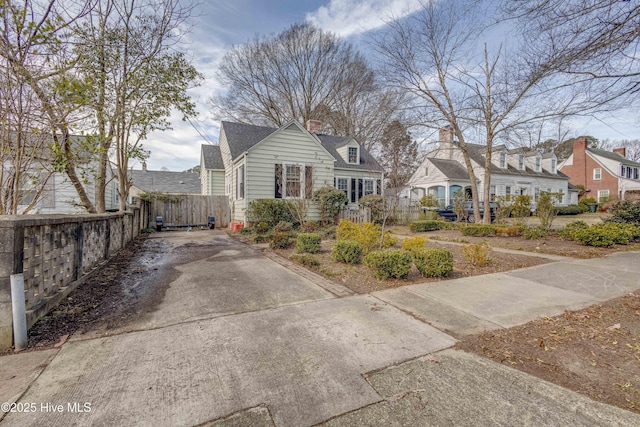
[(314, 126), (580, 145), (621, 150)]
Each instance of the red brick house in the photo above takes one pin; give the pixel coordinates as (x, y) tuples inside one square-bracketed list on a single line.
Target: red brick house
[(604, 174)]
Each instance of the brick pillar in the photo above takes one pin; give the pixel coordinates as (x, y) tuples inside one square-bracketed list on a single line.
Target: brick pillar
[(11, 258)]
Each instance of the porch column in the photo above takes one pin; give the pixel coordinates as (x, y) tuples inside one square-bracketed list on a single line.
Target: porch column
[(447, 195)]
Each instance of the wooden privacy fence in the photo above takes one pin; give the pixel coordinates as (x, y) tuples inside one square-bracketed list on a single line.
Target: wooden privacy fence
[(401, 215), (190, 209)]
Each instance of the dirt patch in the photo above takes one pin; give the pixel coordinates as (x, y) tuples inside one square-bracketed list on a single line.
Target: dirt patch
[(552, 244), (362, 280), (126, 286), (595, 351)]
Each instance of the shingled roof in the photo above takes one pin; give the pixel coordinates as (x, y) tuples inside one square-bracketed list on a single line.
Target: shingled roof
[(450, 168), (613, 156), (212, 157), (166, 181), (241, 137)]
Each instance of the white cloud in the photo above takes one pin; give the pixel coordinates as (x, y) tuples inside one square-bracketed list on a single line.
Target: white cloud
[(346, 17)]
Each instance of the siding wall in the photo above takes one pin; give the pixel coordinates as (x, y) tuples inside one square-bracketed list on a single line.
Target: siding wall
[(215, 182), (286, 146)]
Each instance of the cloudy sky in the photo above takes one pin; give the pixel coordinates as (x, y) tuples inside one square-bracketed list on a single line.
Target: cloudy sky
[(220, 24)]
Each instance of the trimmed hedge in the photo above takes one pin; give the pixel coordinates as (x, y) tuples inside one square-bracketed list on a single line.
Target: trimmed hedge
[(308, 242), (281, 240), (305, 259), (570, 230), (536, 232), (481, 230), (348, 251), (433, 262), (368, 234), (394, 263), (607, 234), (572, 209), (427, 225), (271, 211)]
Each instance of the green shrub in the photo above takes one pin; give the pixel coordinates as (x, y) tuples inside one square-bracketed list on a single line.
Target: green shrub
[(308, 242), (375, 203), (625, 212), (262, 227), (391, 263), (572, 209), (281, 240), (246, 230), (329, 232), (477, 254), (348, 251), (521, 208), (537, 232), (262, 238), (283, 226), (416, 242), (305, 259), (271, 211), (607, 234), (569, 231), (587, 201), (428, 216), (422, 226), (329, 200), (480, 230), (433, 262), (545, 209)]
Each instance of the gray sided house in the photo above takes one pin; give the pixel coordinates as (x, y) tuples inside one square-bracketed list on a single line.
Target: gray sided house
[(289, 162), (211, 170), (166, 182), (514, 172)]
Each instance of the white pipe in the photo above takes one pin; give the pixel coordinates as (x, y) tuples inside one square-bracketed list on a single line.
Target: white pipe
[(19, 312)]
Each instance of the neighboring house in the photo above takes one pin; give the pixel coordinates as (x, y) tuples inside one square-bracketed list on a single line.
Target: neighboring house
[(211, 170), (291, 162), (59, 196), (514, 172), (166, 182), (603, 174)]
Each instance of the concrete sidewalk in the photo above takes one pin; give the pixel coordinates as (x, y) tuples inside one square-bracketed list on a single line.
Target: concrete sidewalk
[(240, 340)]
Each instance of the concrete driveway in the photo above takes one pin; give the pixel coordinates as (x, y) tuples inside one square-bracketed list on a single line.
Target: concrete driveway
[(238, 340)]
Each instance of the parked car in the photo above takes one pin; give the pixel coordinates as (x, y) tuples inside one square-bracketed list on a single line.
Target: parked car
[(449, 214)]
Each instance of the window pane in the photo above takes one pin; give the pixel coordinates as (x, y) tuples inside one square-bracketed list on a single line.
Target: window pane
[(353, 155), (293, 181)]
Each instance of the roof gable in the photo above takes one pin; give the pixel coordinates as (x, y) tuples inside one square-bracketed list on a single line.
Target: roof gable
[(212, 157), (166, 181), (612, 156)]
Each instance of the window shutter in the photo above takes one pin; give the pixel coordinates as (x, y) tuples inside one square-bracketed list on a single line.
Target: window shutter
[(278, 180), (378, 186), (308, 182), (353, 190), (360, 188)]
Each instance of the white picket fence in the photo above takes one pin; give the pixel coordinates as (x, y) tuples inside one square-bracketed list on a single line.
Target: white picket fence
[(400, 215)]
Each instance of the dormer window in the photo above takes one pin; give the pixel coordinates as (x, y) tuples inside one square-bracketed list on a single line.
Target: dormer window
[(503, 160), (554, 165), (538, 163), (521, 162), (353, 155)]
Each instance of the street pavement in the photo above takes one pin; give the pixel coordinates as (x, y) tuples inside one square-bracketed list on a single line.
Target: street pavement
[(239, 339)]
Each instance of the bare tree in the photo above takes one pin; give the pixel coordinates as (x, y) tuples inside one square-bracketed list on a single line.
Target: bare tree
[(398, 154), (304, 73), (446, 56)]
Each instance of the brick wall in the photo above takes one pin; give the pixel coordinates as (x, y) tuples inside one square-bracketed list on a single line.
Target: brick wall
[(56, 253), (581, 172)]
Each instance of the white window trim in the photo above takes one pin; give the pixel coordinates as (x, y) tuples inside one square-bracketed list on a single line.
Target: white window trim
[(554, 166), (364, 186), (603, 194), (227, 183), (244, 182), (503, 160), (538, 164), (521, 165), (598, 176), (302, 180), (357, 162)]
